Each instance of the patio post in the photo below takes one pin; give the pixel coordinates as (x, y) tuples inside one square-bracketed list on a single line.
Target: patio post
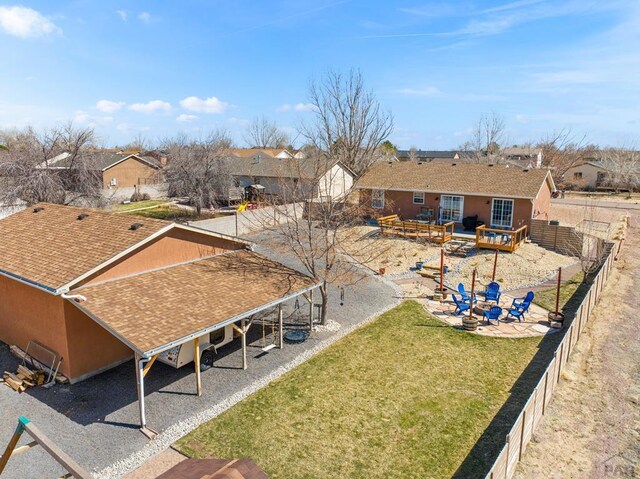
[(495, 264), (558, 290), (140, 384), (243, 337), (196, 361), (280, 328), (310, 310)]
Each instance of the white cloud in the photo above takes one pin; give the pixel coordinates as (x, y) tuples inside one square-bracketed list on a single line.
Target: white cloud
[(144, 17), (25, 22), (123, 14), (109, 106), (83, 118), (183, 118), (151, 107), (208, 105), (129, 128), (297, 107), (305, 107)]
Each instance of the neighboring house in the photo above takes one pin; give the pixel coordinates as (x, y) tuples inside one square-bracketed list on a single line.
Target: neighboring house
[(116, 170), (501, 196), (290, 179), (98, 287), (427, 155), (523, 156), (587, 175)]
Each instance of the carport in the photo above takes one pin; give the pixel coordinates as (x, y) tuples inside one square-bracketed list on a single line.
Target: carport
[(158, 310)]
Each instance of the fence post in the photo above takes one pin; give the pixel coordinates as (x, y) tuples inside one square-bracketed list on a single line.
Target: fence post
[(506, 466), (544, 397), (560, 361), (524, 421)]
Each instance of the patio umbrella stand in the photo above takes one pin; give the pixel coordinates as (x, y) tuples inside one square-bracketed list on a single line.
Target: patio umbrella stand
[(470, 323), (556, 318)]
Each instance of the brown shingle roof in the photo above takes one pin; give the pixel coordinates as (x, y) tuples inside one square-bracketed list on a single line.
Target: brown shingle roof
[(304, 168), (151, 309), (52, 247), (463, 178)]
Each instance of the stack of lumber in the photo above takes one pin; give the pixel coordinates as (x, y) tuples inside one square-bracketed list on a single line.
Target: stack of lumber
[(23, 378)]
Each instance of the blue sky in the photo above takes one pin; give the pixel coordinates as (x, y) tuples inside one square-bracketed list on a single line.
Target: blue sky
[(156, 68)]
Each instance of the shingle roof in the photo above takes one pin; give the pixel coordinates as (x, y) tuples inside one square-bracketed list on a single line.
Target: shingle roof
[(152, 309), (248, 152), (465, 178), (52, 247), (304, 168), (104, 160), (427, 153)]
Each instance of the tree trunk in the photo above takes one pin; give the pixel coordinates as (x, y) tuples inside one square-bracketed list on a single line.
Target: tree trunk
[(325, 302)]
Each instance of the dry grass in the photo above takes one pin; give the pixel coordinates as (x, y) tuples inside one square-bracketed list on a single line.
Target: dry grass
[(402, 397)]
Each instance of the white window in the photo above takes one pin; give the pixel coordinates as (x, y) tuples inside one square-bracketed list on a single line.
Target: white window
[(502, 213), (377, 199), (451, 208), (418, 198)]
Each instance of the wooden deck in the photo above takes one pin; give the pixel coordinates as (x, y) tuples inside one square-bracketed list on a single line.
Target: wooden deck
[(503, 240), (393, 226)]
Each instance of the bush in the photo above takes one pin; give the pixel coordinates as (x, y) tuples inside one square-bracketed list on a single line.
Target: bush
[(137, 196), (146, 197)]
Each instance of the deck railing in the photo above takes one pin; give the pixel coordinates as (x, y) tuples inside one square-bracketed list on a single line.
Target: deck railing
[(392, 225), (503, 240)]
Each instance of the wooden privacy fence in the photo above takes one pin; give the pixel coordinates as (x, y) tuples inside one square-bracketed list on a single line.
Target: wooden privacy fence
[(562, 239), (535, 407)]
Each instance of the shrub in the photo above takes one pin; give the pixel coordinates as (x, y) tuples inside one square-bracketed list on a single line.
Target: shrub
[(137, 196)]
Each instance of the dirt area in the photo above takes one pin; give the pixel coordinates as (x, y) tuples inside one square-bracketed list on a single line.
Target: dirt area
[(529, 264), (396, 255), (526, 266), (571, 215), (592, 428)]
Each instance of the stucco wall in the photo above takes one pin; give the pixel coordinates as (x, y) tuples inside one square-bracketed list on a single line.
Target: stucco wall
[(589, 175), (542, 204), (130, 172), (28, 313), (401, 203), (174, 247)]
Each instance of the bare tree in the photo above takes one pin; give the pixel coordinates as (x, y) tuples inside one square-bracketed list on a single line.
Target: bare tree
[(621, 165), (197, 169), (264, 133), (563, 150), (349, 124), (486, 139), (29, 175)]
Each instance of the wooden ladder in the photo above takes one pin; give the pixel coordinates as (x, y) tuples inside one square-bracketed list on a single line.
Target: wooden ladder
[(74, 470)]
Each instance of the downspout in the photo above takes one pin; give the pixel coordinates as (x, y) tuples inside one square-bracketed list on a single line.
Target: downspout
[(78, 298)]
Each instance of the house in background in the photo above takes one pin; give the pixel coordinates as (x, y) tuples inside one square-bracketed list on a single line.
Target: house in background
[(525, 157), (502, 197), (290, 179), (427, 155), (114, 170), (282, 153)]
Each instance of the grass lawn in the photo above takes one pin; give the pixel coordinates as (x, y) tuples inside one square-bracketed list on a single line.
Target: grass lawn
[(547, 298), (172, 213), (403, 397), (138, 204)]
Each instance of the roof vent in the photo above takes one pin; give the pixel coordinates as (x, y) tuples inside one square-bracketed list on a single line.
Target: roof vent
[(136, 226), (454, 164), (525, 170), (490, 164), (82, 216), (38, 209), (421, 162)]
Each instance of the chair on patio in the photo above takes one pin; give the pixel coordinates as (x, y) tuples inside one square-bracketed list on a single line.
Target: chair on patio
[(461, 306), (492, 293), (466, 297), (494, 313), (518, 312), (519, 302)]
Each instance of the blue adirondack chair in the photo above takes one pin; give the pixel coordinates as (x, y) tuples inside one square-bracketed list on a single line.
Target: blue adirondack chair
[(518, 302), (466, 297), (492, 292), (518, 312), (494, 313), (461, 306)]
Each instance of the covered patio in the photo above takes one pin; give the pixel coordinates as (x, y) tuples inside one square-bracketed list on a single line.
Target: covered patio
[(159, 312)]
